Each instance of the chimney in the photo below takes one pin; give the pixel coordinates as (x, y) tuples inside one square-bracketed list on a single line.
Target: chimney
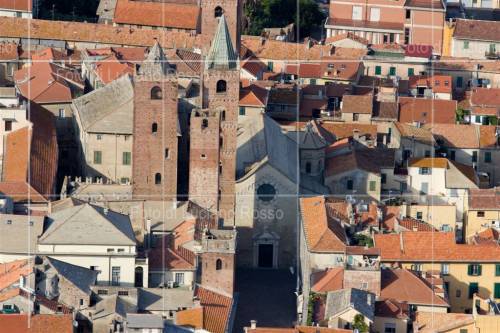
[(106, 210), (253, 324), (355, 134), (196, 302), (401, 243)]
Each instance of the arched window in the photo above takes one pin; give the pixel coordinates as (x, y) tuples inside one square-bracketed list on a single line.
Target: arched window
[(218, 265), (139, 277), (154, 128), (221, 86), (204, 123), (158, 178), (221, 142), (156, 93), (218, 11), (223, 115)]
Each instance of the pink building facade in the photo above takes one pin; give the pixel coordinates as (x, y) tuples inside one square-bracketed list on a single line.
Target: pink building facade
[(389, 21)]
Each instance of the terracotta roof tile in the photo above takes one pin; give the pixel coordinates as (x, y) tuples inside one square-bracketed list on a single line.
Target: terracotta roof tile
[(370, 160), (485, 199), (253, 95), (34, 149), (190, 318), (391, 309), (428, 162), (464, 136), (477, 30), (348, 35), (403, 285), (362, 104), (415, 225), (485, 97), (305, 70), (335, 68), (347, 130), (9, 51), (419, 134), (40, 323), (323, 232), (426, 246), (94, 33), (328, 280), (216, 310), (425, 110), (19, 5), (158, 14), (431, 322), (254, 66), (11, 271)]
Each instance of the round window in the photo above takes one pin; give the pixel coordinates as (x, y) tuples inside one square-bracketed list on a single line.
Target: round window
[(266, 192)]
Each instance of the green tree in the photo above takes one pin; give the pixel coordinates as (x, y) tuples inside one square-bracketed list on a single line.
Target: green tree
[(359, 323)]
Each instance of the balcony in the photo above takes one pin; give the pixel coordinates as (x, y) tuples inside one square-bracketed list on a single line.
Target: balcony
[(491, 54)]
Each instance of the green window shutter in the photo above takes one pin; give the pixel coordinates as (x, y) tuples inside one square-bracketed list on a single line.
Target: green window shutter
[(392, 71), (469, 270), (473, 288), (373, 185), (466, 44), (479, 270), (378, 70), (127, 158), (242, 111), (270, 65), (313, 81), (496, 290), (487, 157), (97, 157), (497, 270), (411, 72)]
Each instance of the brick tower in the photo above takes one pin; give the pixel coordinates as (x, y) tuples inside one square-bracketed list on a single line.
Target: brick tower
[(220, 99), (211, 11), (154, 168), (217, 260)]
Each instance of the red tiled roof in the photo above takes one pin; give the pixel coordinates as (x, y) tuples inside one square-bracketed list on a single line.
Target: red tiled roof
[(423, 110), (298, 329), (362, 104), (40, 323), (190, 318), (18, 5), (415, 225), (477, 30), (20, 192), (403, 285), (110, 69), (95, 33), (484, 199), (427, 246), (328, 280), (254, 95), (431, 322), (485, 97), (305, 70), (391, 309), (44, 82), (11, 271), (338, 69), (348, 35), (34, 149), (254, 66), (216, 310), (158, 14), (165, 257), (342, 131), (323, 232)]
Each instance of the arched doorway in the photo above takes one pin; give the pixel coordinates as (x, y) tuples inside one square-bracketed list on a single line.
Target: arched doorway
[(139, 277)]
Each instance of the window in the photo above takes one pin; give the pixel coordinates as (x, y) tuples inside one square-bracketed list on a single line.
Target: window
[(266, 192), (496, 290), (458, 293), (378, 70), (124, 180), (411, 72), (497, 270), (473, 289), (154, 127), (416, 267), (97, 157), (179, 279), (242, 111), (270, 65), (427, 153), (424, 171), (313, 81), (424, 188), (123, 292), (98, 137), (480, 214), (493, 48), (446, 228), (115, 275), (221, 86), (373, 185), (218, 11), (350, 184), (408, 14), (452, 155), (8, 125), (466, 44), (62, 113), (102, 292), (383, 178), (218, 265), (389, 328), (392, 71), (474, 156), (121, 250), (167, 153), (419, 215), (355, 116), (81, 301), (460, 82), (375, 14), (445, 269), (356, 12), (156, 93), (487, 157), (463, 330), (308, 167), (127, 158), (110, 250), (158, 178), (474, 270)]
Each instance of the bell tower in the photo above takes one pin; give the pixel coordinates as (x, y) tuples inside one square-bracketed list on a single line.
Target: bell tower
[(212, 11)]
